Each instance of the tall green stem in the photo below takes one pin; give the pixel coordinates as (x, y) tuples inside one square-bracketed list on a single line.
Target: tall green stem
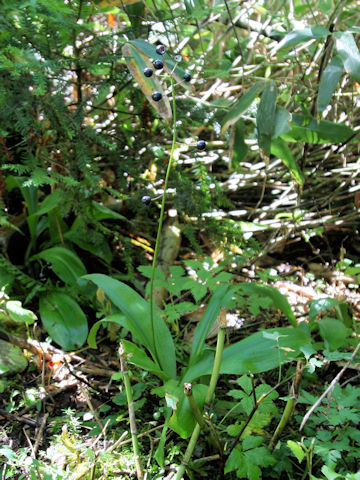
[(161, 219)]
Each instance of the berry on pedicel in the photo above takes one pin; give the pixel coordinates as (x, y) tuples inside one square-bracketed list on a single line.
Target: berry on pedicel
[(148, 71), (158, 64), (146, 199), (187, 77), (201, 145), (160, 49), (156, 96)]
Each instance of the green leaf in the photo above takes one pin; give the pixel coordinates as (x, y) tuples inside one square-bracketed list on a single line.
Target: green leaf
[(349, 53), (278, 299), (265, 118), (136, 62), (300, 36), (329, 79), (239, 148), (242, 105), (56, 198), (137, 312), (296, 449), (280, 149), (312, 131), (98, 211), (254, 354), (18, 313), (282, 119), (64, 320), (220, 298), (322, 304), (65, 263), (138, 357), (333, 332)]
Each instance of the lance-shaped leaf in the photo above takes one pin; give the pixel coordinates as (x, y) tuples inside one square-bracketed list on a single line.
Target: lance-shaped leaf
[(329, 80), (136, 61), (300, 36), (266, 115), (170, 66), (280, 149), (349, 53), (241, 106)]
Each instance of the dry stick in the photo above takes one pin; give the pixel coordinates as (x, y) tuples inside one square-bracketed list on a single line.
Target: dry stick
[(87, 398), (329, 389), (40, 434), (130, 401)]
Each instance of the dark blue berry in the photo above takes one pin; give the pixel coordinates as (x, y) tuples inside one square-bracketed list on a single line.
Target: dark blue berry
[(146, 199), (201, 145), (148, 71), (158, 64), (187, 77), (160, 49), (156, 96)]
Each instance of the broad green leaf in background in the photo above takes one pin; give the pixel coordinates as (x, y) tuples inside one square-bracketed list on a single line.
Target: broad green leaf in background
[(241, 106), (12, 359), (282, 121), (334, 332), (321, 305), (238, 148), (278, 299), (300, 36), (220, 298), (98, 211), (256, 353), (18, 313), (64, 320), (65, 263), (280, 149), (89, 239), (312, 131), (329, 79), (56, 198), (136, 62), (137, 312), (349, 53), (265, 118)]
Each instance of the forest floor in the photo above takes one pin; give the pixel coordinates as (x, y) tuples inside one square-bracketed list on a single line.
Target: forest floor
[(80, 391)]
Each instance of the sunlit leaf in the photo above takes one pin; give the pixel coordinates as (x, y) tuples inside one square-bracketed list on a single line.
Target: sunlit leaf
[(311, 131), (136, 62), (18, 313)]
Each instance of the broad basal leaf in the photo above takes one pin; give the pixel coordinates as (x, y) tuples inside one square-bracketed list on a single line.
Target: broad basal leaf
[(137, 312), (65, 263), (64, 320)]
